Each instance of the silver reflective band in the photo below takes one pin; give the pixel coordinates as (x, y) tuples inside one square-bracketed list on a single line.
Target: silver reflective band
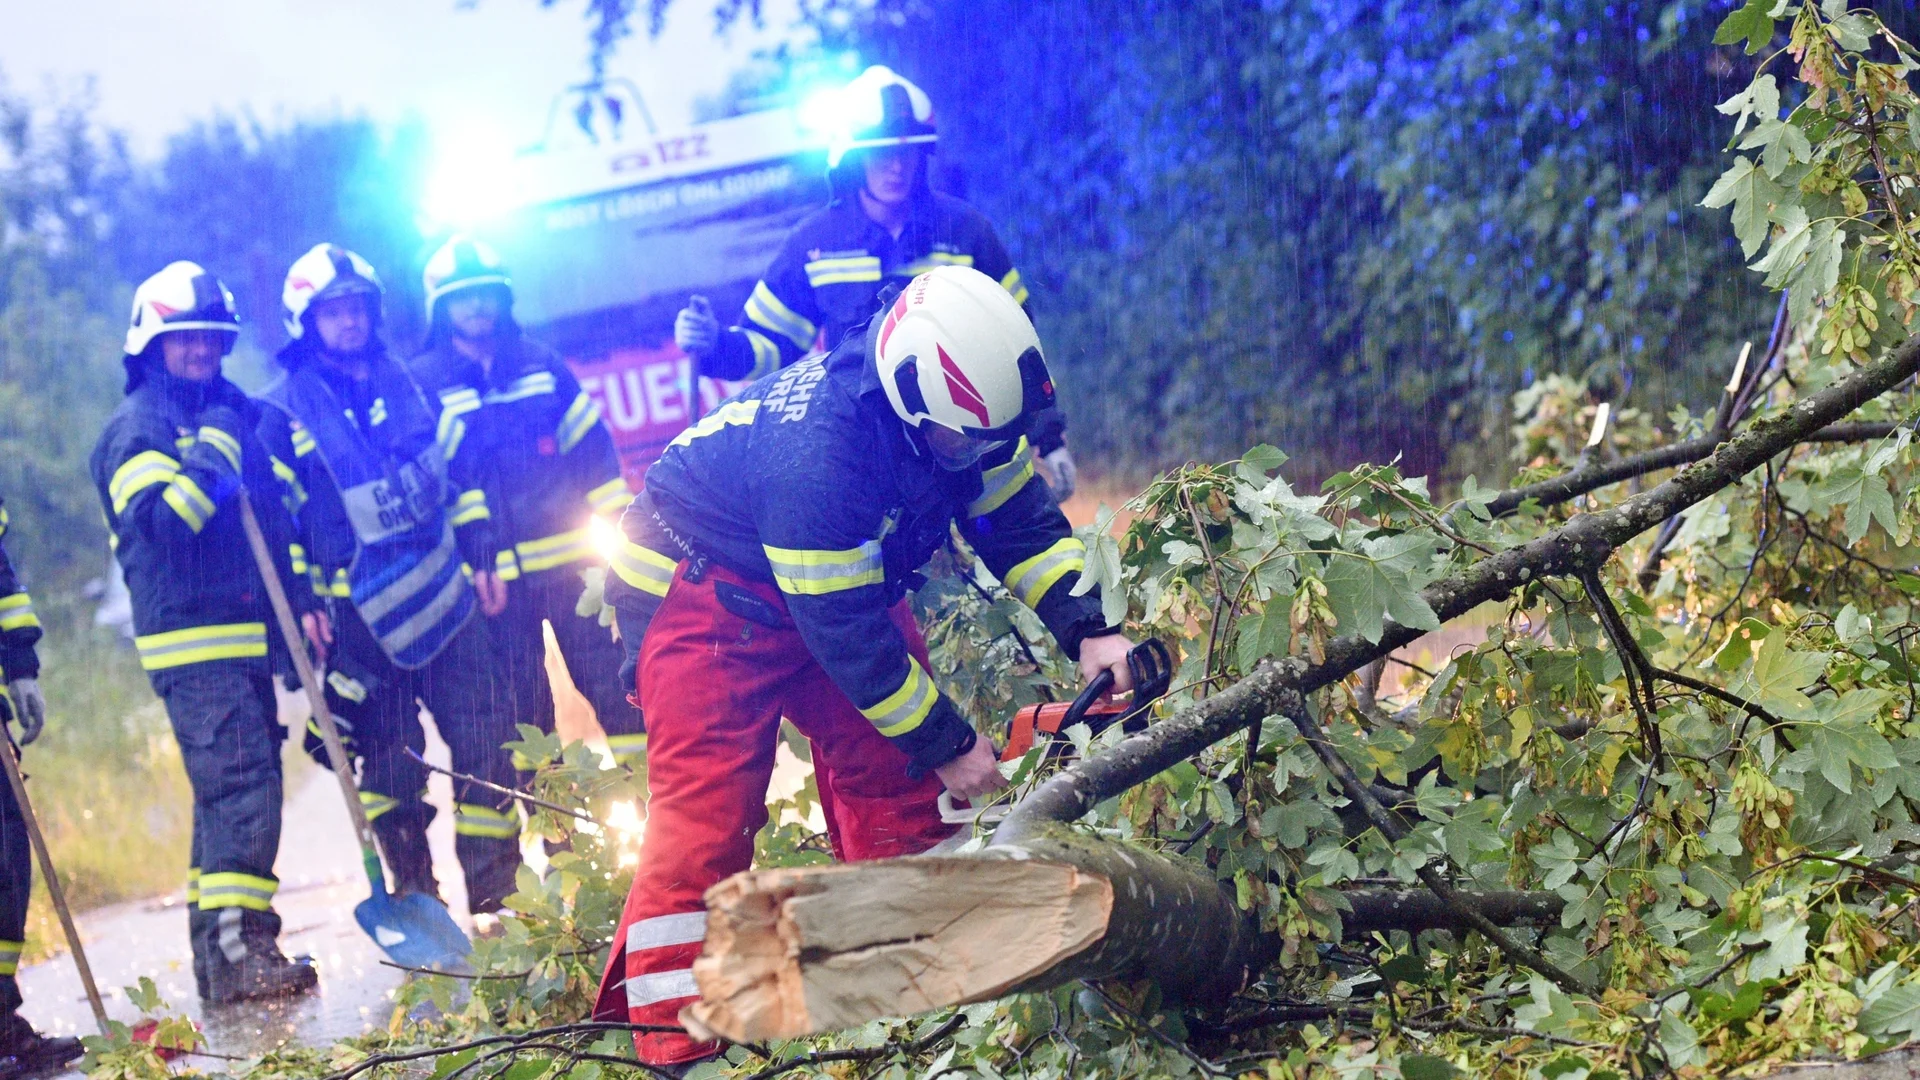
[(664, 930), (660, 986)]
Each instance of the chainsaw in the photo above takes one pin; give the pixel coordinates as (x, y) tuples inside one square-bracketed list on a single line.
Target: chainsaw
[(1150, 664)]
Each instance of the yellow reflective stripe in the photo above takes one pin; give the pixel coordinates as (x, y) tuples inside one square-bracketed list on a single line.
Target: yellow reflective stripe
[(766, 309), (532, 384), (377, 412), (297, 555), (226, 889), (1014, 285), (143, 469), (933, 259), (505, 566), (556, 550), (1030, 580), (905, 708), (4, 519), (341, 587), (228, 446), (16, 612), (296, 492), (471, 506), (643, 568), (188, 501), (10, 956), (376, 804), (804, 572), (852, 269), (229, 641), (580, 418), (348, 687), (628, 749), (193, 885), (1003, 482), (610, 496), (766, 355), (303, 443), (732, 414), (471, 819)]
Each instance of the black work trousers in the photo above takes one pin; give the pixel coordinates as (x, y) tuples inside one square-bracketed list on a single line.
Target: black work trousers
[(467, 694), (228, 727)]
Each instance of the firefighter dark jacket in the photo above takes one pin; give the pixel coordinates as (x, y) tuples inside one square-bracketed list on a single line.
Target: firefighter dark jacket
[(807, 479), (552, 461), (19, 626), (387, 512), (167, 469)]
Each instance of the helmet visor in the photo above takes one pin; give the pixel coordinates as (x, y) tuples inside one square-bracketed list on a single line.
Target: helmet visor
[(955, 451)]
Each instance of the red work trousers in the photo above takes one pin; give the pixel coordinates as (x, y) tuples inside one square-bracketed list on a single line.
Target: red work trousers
[(715, 686)]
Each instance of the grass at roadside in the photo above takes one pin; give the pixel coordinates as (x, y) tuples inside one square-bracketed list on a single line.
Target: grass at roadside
[(105, 780)]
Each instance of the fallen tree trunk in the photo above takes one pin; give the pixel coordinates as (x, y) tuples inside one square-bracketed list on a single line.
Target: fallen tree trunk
[(772, 966), (796, 952)]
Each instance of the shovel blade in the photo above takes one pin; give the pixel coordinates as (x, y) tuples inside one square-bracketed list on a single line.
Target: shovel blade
[(414, 930)]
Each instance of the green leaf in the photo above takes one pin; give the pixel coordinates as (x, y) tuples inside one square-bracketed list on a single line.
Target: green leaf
[(1786, 939), (1864, 494), (1893, 1013), (1386, 580), (1791, 243), (1778, 676), (1753, 196), (1263, 459), (1426, 1067), (1761, 100), (1752, 23), (1841, 737)]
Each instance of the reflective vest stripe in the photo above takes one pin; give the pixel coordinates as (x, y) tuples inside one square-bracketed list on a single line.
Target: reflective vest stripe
[(627, 749), (904, 709), (16, 612), (469, 507), (1014, 285), (1003, 482), (732, 414), (227, 889), (144, 469), (1030, 580), (658, 986), (666, 931), (610, 496), (643, 568), (188, 501), (472, 819), (556, 550), (10, 956), (228, 446), (196, 644), (934, 259), (766, 355), (529, 385), (303, 443), (767, 309), (852, 269), (580, 418), (813, 573)]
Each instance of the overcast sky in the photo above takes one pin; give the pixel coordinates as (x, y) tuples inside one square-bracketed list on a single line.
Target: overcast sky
[(158, 65)]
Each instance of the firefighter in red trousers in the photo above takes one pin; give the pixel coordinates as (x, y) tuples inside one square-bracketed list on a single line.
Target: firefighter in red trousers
[(764, 575)]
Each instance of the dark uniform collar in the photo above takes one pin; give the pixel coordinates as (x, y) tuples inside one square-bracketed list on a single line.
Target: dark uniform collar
[(194, 396)]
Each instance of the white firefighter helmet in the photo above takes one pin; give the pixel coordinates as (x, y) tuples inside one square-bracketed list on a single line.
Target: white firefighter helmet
[(881, 108), (323, 273), (462, 263), (183, 296), (957, 351)]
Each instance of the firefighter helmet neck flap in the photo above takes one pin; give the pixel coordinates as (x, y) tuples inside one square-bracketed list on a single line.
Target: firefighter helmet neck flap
[(957, 356)]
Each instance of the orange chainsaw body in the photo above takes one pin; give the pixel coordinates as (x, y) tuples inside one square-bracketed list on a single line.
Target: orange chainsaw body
[(1047, 717)]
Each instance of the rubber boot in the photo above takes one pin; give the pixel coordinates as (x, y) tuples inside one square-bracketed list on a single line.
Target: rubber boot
[(26, 1052), (243, 957), (409, 859)]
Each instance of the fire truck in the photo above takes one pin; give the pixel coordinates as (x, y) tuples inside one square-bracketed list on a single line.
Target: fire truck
[(612, 224)]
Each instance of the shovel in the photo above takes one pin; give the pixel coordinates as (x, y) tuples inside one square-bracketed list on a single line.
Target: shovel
[(414, 930)]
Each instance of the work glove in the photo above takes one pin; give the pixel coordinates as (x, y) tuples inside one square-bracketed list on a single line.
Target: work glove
[(226, 419), (31, 705), (695, 329), (1065, 475)]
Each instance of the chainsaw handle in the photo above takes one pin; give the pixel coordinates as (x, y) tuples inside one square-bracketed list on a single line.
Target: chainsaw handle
[(1151, 666)]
